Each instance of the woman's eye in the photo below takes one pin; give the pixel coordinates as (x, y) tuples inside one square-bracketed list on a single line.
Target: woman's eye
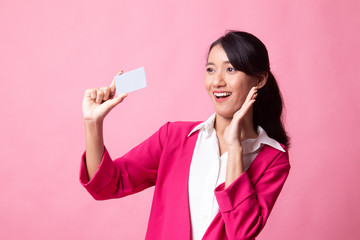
[(231, 69), (210, 70)]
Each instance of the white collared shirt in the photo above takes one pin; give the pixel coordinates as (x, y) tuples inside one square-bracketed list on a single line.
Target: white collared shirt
[(208, 169)]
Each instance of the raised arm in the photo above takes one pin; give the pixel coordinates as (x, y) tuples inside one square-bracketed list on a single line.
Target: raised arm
[(97, 103)]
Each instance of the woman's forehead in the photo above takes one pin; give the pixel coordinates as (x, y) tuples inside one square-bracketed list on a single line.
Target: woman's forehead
[(218, 54)]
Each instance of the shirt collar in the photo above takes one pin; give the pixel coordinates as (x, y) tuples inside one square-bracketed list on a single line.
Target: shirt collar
[(208, 125), (250, 145)]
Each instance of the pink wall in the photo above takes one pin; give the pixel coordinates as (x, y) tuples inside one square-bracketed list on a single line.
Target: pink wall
[(51, 52)]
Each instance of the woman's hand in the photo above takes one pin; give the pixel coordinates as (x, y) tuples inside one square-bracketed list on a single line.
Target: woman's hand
[(232, 133), (232, 138), (98, 102)]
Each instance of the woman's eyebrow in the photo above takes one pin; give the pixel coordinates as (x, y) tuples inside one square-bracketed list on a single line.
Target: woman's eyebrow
[(210, 63)]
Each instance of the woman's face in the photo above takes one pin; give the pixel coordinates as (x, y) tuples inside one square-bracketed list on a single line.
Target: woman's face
[(226, 86)]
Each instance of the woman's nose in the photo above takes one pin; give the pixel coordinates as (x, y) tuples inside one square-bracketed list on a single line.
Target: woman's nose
[(219, 80)]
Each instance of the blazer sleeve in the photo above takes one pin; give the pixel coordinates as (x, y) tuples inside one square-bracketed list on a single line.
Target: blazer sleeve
[(245, 206), (129, 174)]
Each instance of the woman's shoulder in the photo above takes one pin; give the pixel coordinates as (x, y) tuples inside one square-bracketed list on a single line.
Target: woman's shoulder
[(178, 128), (182, 126)]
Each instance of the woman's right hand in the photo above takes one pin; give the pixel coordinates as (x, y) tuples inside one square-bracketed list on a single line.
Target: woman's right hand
[(98, 102)]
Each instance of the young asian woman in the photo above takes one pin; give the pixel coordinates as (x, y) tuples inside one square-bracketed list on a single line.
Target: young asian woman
[(216, 179)]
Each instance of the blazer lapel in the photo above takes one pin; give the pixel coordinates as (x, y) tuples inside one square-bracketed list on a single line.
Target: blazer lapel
[(188, 147), (261, 162)]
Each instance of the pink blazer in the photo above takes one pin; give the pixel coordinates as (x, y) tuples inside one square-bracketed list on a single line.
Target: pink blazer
[(164, 160)]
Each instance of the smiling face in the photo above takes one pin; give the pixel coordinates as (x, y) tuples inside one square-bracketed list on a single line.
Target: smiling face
[(226, 86)]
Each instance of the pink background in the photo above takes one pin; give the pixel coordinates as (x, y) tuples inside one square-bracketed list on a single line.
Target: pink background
[(51, 51)]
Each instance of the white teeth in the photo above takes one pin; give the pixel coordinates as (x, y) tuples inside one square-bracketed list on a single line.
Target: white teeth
[(223, 94)]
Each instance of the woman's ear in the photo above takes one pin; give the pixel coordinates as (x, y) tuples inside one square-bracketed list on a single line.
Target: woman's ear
[(262, 79)]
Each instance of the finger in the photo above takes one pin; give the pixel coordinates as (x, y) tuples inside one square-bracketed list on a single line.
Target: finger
[(248, 106), (106, 91), (252, 101), (254, 96), (253, 91), (251, 94), (115, 101), (99, 96), (93, 94), (87, 93), (112, 85), (112, 88), (244, 109), (113, 81)]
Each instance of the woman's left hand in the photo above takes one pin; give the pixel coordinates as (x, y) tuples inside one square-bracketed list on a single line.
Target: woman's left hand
[(232, 133), (232, 139)]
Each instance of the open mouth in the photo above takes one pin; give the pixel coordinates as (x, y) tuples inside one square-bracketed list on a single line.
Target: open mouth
[(220, 95)]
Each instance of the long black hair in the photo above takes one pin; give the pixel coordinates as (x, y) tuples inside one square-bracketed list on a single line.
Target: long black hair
[(248, 54)]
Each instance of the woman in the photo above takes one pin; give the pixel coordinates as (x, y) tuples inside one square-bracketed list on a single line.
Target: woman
[(217, 179)]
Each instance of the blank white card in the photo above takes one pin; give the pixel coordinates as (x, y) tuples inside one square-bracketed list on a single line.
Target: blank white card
[(130, 81)]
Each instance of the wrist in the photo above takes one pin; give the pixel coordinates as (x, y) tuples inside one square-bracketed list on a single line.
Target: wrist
[(93, 128), (235, 148), (93, 122)]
